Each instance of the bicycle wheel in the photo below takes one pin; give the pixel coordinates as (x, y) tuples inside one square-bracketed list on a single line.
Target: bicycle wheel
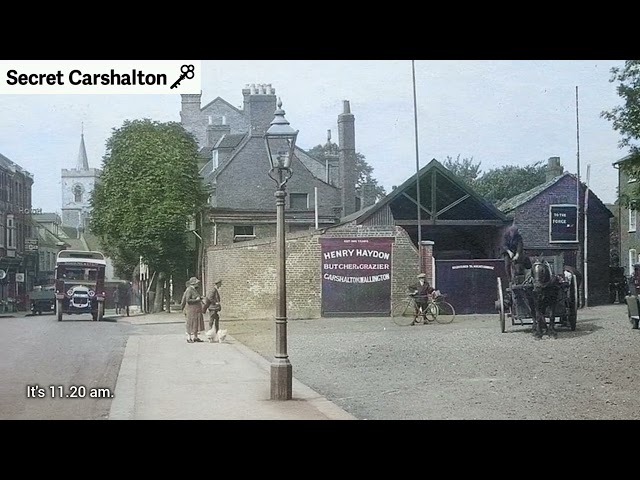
[(431, 312), (403, 314), (446, 312)]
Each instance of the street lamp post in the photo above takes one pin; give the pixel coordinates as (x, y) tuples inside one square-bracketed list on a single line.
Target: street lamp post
[(280, 140)]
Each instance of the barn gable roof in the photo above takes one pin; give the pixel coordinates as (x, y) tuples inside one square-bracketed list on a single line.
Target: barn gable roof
[(455, 201)]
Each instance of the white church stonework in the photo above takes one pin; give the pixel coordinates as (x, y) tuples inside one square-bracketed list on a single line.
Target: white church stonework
[(77, 185)]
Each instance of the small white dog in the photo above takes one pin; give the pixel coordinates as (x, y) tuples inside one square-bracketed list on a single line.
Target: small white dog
[(216, 337)]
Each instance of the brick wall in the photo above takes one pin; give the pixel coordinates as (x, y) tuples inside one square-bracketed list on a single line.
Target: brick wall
[(236, 119), (248, 271), (196, 120)]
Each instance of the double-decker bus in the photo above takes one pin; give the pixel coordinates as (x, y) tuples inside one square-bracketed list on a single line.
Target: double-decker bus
[(79, 284)]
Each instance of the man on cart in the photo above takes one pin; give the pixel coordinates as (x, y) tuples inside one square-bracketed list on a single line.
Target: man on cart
[(515, 262)]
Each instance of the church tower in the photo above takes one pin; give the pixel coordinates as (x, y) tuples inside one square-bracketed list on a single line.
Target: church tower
[(77, 185)]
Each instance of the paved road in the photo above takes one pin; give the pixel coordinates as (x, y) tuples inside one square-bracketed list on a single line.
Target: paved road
[(62, 362)]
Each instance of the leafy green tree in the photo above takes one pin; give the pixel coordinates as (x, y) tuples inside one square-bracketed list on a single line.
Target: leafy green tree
[(626, 120), (465, 169), (500, 184), (148, 189), (364, 171)]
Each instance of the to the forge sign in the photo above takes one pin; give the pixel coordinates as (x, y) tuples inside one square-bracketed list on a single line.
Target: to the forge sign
[(356, 276), (563, 225)]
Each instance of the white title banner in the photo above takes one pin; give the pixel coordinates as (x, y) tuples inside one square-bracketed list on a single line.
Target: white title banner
[(104, 77)]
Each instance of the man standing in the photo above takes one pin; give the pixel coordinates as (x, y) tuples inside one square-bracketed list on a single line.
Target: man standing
[(514, 260), (116, 299), (212, 303), (126, 298)]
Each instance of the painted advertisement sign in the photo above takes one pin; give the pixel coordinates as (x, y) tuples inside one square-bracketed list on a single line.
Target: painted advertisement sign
[(356, 276)]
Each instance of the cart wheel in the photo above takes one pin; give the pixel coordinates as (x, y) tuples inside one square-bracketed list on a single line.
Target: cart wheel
[(402, 314), (573, 304), (500, 305), (59, 310)]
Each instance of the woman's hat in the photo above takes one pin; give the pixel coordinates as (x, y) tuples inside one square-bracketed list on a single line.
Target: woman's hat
[(422, 275), (193, 281)]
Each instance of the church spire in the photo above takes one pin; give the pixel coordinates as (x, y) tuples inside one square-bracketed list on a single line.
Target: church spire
[(83, 163)]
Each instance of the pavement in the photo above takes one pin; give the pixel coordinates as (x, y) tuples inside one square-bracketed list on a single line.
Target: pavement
[(162, 377)]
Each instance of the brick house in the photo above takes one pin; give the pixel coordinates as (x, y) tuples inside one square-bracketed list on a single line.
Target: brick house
[(627, 224), (17, 265), (546, 218), (235, 169)]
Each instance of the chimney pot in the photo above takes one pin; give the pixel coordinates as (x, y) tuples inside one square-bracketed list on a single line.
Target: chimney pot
[(347, 107)]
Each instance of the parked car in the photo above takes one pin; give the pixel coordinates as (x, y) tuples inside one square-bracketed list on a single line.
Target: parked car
[(43, 299)]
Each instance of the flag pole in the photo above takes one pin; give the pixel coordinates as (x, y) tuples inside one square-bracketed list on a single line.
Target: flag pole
[(415, 118), (579, 255)]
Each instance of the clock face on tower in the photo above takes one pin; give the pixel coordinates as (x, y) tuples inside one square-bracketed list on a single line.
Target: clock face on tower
[(78, 193)]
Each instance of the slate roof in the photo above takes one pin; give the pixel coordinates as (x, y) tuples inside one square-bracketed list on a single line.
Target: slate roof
[(524, 197), (519, 200), (46, 237), (69, 236), (230, 140)]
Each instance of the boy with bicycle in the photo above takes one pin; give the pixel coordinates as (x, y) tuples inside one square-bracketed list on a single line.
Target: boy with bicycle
[(421, 292)]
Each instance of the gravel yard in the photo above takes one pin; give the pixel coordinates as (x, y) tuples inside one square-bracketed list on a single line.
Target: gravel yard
[(377, 370)]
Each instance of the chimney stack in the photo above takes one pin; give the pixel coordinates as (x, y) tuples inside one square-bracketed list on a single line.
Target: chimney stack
[(259, 106), (554, 169), (347, 155), (215, 133)]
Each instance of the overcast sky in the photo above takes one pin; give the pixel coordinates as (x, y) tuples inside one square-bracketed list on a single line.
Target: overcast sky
[(500, 112)]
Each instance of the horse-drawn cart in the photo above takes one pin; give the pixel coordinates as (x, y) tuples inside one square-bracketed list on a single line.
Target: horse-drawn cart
[(519, 300)]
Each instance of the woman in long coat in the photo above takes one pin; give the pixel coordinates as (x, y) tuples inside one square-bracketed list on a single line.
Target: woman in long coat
[(191, 305)]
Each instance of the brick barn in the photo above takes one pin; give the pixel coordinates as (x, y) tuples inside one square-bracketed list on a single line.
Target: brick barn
[(546, 218)]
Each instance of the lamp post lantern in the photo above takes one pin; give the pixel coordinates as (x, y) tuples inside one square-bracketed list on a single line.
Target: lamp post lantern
[(280, 140)]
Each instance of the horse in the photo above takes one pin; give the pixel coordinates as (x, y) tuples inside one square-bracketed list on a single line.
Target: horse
[(545, 294)]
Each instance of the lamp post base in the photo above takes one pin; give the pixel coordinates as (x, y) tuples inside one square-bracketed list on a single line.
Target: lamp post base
[(281, 379)]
